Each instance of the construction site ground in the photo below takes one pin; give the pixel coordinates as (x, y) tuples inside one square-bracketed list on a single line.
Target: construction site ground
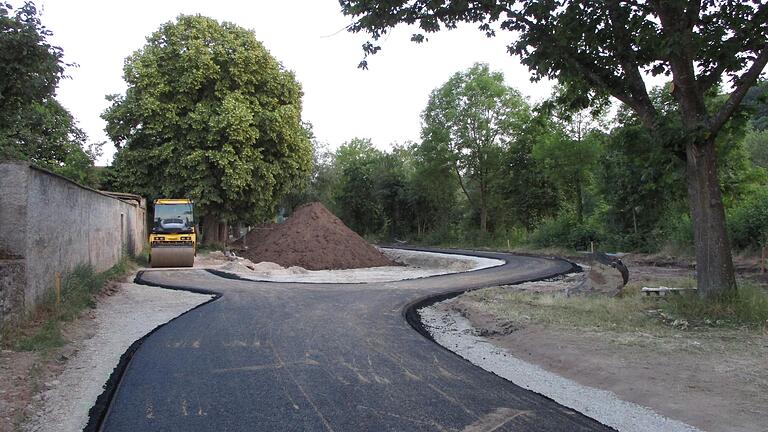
[(714, 378), (716, 381)]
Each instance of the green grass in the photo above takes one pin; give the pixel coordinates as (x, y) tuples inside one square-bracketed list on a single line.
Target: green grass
[(629, 312), (557, 310), (142, 259), (42, 330), (748, 308)]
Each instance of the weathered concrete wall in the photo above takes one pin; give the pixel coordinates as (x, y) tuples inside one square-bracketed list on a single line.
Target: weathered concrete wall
[(12, 281), (54, 224)]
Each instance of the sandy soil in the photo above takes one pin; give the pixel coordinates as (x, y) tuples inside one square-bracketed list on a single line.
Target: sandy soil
[(130, 312), (453, 331), (415, 265), (716, 380), (18, 375)]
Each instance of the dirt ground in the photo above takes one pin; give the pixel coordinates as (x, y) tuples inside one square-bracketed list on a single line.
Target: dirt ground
[(53, 390), (25, 375), (713, 378), (411, 265), (314, 239)]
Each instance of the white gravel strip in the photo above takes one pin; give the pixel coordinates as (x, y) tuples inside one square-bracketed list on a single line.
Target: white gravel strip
[(121, 319), (417, 265), (456, 333)]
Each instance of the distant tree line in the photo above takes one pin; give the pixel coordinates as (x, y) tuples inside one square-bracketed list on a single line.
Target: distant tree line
[(491, 169)]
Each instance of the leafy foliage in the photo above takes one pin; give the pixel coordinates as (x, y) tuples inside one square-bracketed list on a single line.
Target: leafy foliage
[(473, 115), (748, 220), (597, 49), (209, 114), (30, 67), (33, 125)]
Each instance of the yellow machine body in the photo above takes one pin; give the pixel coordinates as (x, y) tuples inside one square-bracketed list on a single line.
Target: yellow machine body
[(173, 237)]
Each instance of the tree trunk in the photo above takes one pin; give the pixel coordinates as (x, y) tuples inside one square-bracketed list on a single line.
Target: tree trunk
[(483, 209), (223, 232), (579, 201), (212, 231), (714, 266), (483, 218)]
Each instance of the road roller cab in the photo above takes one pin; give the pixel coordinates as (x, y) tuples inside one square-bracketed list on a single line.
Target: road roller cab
[(173, 239)]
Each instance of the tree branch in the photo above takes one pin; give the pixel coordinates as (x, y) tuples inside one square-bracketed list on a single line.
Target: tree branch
[(744, 83), (646, 112), (461, 183), (628, 61)]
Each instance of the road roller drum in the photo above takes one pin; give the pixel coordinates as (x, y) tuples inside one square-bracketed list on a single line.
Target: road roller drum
[(172, 257)]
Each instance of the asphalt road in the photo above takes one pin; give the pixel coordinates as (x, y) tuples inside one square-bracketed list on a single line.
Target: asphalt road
[(322, 357)]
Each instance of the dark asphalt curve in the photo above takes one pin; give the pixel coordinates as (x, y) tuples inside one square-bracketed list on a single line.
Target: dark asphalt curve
[(323, 357)]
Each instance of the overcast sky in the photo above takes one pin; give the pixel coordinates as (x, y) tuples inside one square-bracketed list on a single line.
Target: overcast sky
[(306, 36)]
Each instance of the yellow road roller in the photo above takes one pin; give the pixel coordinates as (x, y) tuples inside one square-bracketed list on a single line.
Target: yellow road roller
[(173, 241)]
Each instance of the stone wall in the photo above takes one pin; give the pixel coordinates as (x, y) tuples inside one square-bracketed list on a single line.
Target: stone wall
[(52, 224)]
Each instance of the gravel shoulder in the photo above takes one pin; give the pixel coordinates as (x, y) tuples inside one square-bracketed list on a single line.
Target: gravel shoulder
[(119, 319), (456, 333), (634, 379)]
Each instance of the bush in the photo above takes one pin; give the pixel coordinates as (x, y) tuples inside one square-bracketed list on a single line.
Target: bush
[(748, 222), (564, 231), (675, 234)]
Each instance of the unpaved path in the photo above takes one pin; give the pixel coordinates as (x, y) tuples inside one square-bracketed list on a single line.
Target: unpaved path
[(716, 380), (456, 333), (128, 314)]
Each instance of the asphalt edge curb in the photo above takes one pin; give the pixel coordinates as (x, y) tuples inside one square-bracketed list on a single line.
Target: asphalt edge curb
[(459, 252), (100, 409), (410, 311)]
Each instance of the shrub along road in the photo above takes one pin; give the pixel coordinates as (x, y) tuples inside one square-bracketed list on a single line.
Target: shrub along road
[(333, 357)]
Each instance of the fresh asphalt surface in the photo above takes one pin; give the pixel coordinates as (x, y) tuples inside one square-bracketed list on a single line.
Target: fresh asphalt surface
[(323, 357)]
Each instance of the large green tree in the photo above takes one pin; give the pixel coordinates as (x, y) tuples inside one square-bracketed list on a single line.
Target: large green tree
[(209, 114), (570, 151), (475, 114), (355, 196), (30, 67), (33, 125), (600, 48), (432, 188), (525, 194)]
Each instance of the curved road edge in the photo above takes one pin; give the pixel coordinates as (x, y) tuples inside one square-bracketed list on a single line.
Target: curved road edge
[(410, 311), (101, 407), (103, 404)]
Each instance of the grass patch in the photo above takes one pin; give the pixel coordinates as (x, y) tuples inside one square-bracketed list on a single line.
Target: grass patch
[(749, 307), (78, 290), (557, 310), (631, 311), (142, 259)]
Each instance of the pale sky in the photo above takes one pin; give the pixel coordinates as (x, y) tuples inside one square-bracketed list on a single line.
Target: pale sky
[(306, 36)]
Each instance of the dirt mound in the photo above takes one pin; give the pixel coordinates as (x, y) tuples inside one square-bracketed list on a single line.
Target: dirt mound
[(315, 239)]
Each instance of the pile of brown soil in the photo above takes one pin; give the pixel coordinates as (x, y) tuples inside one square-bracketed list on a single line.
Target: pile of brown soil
[(315, 239)]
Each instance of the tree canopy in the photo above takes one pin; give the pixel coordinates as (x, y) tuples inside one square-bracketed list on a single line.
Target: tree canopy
[(209, 114), (33, 125), (603, 48), (472, 116)]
